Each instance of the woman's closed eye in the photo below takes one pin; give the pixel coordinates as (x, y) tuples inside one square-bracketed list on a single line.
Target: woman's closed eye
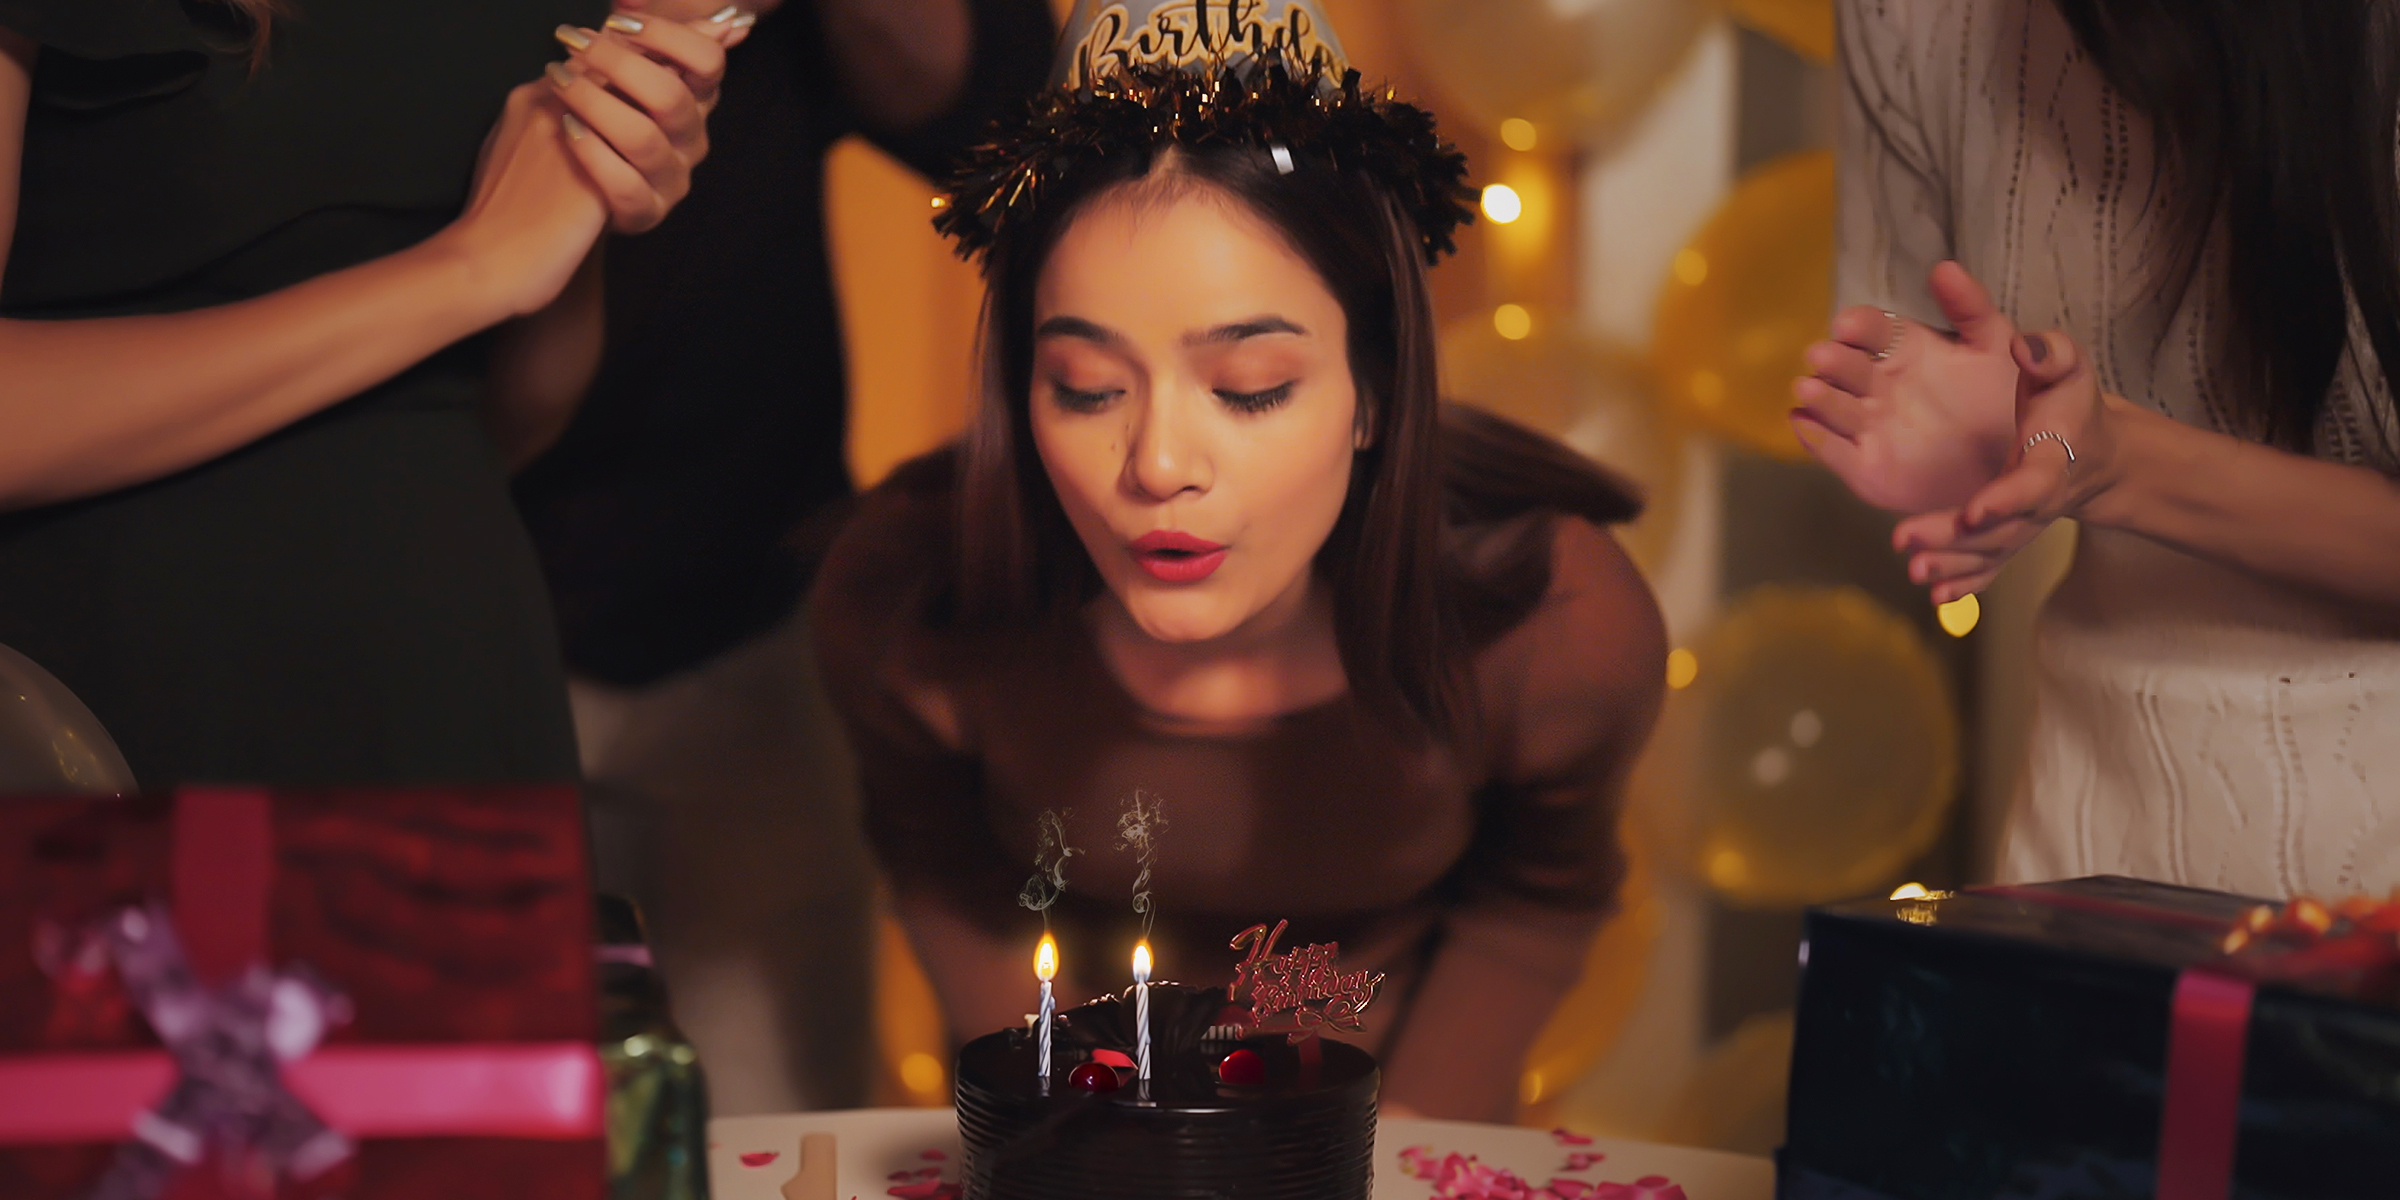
[(1082, 400), (1259, 401)]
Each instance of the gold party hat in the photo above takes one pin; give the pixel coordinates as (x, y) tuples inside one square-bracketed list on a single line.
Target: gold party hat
[(1105, 37)]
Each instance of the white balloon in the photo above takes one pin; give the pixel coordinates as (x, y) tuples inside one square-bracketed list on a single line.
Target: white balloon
[(49, 742)]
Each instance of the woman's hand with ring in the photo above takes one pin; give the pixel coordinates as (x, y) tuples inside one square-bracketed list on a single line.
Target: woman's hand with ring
[(1911, 418), (2066, 455)]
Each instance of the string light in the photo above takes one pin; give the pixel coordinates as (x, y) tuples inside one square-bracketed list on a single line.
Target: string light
[(1502, 204), (1691, 267), (1683, 667), (1511, 321)]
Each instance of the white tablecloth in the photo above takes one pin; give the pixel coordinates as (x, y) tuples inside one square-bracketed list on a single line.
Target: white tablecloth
[(879, 1149)]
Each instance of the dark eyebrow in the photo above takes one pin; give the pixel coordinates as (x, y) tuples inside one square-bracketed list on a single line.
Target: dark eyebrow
[(1077, 327), (1243, 331)]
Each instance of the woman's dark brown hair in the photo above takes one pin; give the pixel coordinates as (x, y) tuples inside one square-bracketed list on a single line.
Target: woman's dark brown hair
[(2276, 125), (1408, 611)]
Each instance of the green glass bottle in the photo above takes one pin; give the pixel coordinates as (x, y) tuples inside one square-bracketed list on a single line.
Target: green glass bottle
[(657, 1098)]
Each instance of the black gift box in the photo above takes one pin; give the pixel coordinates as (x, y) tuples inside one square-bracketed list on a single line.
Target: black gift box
[(2013, 1043)]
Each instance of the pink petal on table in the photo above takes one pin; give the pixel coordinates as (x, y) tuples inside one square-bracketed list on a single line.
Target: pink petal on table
[(901, 1176), (933, 1156), (1565, 1138), (1568, 1189), (1581, 1162), (760, 1158), (931, 1189)]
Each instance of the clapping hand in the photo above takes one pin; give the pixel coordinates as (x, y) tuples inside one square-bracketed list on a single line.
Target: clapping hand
[(1913, 419), (2066, 454), (636, 95)]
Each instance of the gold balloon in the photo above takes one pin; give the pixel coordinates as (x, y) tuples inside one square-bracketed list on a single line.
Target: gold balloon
[(1587, 1022), (1745, 299), (1805, 26), (1812, 756), (1598, 400), (1735, 1101), (1581, 68)]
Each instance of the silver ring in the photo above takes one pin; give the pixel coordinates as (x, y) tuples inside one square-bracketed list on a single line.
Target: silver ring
[(1282, 155), (1894, 343), (2047, 436)]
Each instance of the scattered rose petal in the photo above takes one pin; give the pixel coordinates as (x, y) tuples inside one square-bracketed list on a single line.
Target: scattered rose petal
[(1581, 1162), (933, 1156), (931, 1189), (760, 1158), (1565, 1138), (1465, 1177), (900, 1176)]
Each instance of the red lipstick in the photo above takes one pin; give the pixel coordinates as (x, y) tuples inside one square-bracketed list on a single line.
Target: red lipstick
[(1173, 556)]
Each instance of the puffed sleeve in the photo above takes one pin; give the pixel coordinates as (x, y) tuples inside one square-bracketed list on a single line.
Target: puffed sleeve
[(1569, 697), (920, 785), (1895, 203)]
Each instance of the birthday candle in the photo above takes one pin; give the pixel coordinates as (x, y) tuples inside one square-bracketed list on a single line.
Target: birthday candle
[(1045, 967), (1141, 1008)]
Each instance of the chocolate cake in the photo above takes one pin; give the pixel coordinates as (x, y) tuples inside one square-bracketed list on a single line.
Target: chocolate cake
[(1223, 1116)]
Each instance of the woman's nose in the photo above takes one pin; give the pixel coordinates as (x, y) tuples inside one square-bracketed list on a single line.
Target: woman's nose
[(1167, 457)]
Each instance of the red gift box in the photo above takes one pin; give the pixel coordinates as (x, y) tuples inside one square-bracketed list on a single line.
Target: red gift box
[(452, 928)]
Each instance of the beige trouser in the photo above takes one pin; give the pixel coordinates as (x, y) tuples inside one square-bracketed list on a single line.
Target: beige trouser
[(722, 800)]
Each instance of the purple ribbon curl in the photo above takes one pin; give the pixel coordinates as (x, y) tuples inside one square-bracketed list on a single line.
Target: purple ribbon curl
[(229, 1043)]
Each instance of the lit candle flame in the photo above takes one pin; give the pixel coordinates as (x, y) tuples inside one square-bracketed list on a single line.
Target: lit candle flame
[(1141, 962), (1045, 960)]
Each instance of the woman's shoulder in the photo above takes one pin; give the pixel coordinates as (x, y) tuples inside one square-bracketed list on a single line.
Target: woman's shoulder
[(876, 601), (896, 539), (1585, 669)]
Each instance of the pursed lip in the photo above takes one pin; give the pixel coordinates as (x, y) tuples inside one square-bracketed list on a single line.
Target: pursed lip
[(1173, 556)]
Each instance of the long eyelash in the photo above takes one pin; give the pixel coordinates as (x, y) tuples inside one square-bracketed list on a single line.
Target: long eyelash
[(1257, 402), (1077, 400)]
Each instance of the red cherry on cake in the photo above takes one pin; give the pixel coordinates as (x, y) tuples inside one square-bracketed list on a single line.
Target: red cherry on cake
[(1243, 1068), (1094, 1077)]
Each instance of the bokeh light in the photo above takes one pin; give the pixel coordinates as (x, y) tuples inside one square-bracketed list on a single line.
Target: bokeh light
[(1502, 204), (1513, 322), (1518, 134), (1959, 616)]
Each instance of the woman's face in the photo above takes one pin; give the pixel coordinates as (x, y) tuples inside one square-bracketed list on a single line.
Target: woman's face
[(1193, 405)]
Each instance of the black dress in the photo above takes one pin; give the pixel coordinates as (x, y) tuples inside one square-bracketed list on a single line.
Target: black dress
[(351, 599)]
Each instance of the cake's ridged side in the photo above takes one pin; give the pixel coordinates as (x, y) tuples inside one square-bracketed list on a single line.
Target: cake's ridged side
[(1323, 1150)]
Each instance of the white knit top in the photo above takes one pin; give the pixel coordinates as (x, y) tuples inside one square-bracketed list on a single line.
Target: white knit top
[(2194, 723)]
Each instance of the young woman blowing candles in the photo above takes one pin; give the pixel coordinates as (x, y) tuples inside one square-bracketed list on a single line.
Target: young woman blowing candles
[(249, 509), (1211, 541)]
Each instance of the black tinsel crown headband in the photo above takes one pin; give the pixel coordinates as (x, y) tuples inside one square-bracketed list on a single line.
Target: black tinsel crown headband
[(1202, 73)]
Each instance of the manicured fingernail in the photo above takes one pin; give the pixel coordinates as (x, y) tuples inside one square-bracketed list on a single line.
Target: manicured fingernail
[(2037, 347), (744, 21), (623, 24), (572, 38), (574, 126), (724, 14), (561, 75)]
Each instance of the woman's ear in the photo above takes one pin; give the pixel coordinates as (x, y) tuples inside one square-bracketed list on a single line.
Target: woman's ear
[(1362, 431)]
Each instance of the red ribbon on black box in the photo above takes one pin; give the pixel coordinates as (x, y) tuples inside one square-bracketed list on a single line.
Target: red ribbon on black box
[(354, 993), (2353, 946)]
